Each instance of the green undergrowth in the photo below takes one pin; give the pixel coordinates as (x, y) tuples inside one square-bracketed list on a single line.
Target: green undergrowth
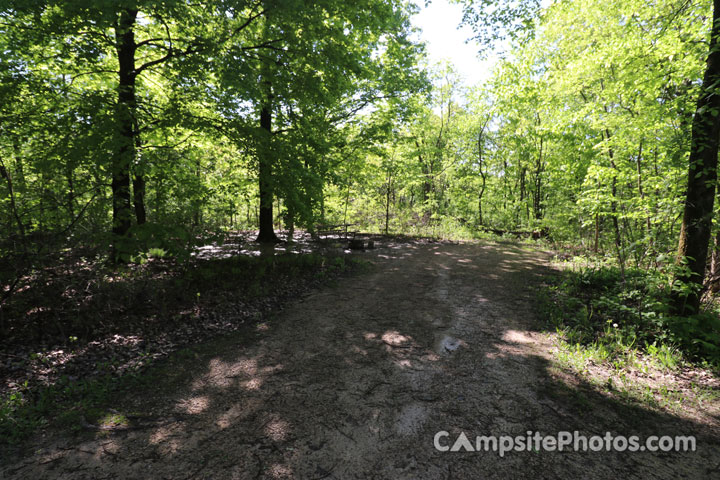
[(623, 327), (604, 317)]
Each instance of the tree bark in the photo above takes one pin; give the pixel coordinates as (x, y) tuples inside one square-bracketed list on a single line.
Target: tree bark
[(596, 244), (267, 232), (483, 177), (125, 118), (537, 194), (523, 202), (387, 201), (702, 176), (715, 265), (139, 182), (70, 173), (13, 204), (139, 198), (614, 208)]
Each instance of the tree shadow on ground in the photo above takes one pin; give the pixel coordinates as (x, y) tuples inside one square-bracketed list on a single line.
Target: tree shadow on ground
[(355, 381)]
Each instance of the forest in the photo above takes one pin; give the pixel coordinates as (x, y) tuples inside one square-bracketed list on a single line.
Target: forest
[(135, 133)]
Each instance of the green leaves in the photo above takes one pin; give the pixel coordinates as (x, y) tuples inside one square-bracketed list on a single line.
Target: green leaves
[(498, 21)]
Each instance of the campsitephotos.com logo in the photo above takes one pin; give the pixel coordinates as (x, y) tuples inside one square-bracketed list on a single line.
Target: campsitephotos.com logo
[(562, 441)]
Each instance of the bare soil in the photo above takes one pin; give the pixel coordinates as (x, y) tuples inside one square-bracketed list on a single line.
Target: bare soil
[(354, 381)]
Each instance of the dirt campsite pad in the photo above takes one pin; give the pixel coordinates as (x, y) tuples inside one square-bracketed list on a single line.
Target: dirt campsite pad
[(356, 380)]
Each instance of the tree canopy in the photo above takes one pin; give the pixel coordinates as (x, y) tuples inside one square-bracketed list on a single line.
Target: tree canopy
[(143, 124)]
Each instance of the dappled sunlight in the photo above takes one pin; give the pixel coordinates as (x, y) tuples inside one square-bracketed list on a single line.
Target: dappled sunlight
[(395, 339), (108, 447), (237, 412), (194, 405), (243, 243), (161, 434), (504, 349), (347, 373), (430, 357), (207, 252), (494, 355), (221, 374), (516, 336), (168, 439), (244, 372), (403, 363), (478, 299), (248, 366), (395, 257), (279, 470), (253, 384), (277, 429)]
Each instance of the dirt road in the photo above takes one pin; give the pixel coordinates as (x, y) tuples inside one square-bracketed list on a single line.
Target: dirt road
[(354, 381)]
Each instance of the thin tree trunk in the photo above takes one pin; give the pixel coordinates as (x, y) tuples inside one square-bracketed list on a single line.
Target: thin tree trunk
[(139, 198), (702, 176), (387, 202), (537, 197), (347, 202), (71, 193), (596, 245), (640, 184), (715, 265), (13, 204), (523, 174), (614, 209), (139, 187), (482, 173)]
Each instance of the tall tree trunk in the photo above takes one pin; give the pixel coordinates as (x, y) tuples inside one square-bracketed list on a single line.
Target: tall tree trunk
[(506, 187), (482, 173), (537, 194), (616, 223), (523, 173), (267, 232), (427, 169), (715, 265), (596, 244), (641, 191), (614, 208), (347, 202), (481, 221), (4, 173), (290, 223), (70, 175), (125, 118), (387, 201), (139, 198), (702, 176)]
